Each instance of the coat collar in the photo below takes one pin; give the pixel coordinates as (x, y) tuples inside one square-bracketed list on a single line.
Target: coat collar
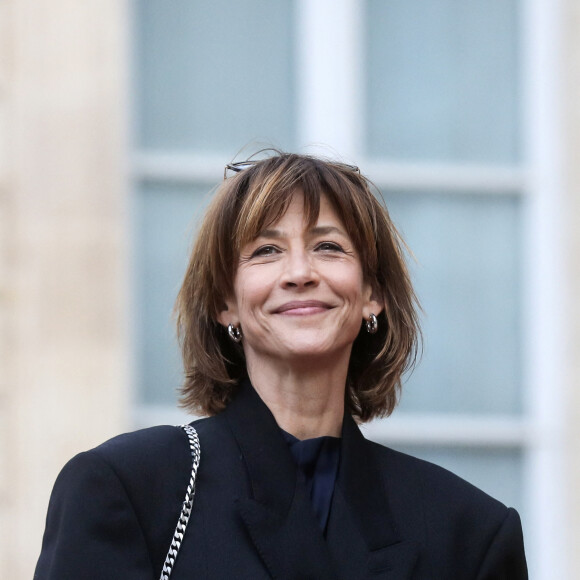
[(362, 540), (362, 533)]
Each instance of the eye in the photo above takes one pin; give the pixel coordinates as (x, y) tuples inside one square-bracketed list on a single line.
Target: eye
[(265, 251), (329, 247)]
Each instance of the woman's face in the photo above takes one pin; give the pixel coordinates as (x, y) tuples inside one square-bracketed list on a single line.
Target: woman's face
[(299, 292)]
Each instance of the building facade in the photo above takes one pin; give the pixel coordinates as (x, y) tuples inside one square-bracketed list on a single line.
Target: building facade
[(115, 122)]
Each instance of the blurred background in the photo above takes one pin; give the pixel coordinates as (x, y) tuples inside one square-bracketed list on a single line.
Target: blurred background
[(116, 120)]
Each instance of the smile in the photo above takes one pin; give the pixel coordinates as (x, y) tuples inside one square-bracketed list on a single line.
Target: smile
[(303, 308)]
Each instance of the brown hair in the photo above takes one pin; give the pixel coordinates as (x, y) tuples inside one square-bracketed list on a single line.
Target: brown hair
[(246, 204)]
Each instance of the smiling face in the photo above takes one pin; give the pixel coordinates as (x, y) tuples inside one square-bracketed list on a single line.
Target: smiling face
[(299, 292)]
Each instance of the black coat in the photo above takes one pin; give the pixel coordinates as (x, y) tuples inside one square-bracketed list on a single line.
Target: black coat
[(114, 509)]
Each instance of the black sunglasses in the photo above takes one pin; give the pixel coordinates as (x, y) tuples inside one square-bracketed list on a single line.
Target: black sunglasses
[(242, 165), (238, 166)]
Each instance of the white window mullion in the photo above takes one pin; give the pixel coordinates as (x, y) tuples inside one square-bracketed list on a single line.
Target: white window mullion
[(329, 48), (423, 429), (422, 177), (447, 177), (545, 285), (442, 430), (178, 166)]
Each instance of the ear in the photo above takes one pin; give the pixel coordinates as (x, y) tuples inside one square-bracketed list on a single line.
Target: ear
[(229, 314), (373, 304)]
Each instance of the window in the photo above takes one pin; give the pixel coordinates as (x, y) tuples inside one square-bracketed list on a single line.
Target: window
[(427, 99)]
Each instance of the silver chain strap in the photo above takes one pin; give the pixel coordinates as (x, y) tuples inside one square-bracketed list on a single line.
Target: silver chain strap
[(187, 504)]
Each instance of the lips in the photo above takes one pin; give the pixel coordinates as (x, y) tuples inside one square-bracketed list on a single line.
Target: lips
[(302, 307)]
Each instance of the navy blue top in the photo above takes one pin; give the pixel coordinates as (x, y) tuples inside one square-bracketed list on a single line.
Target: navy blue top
[(317, 460)]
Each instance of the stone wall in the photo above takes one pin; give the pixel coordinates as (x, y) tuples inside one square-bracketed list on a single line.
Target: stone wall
[(63, 251)]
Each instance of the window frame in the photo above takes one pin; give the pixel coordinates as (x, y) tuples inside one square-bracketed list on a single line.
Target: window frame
[(541, 430)]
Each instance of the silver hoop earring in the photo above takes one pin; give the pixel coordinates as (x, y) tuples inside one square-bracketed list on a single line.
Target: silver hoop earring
[(372, 324), (235, 333)]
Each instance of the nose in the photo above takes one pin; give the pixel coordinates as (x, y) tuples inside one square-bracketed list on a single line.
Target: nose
[(298, 271)]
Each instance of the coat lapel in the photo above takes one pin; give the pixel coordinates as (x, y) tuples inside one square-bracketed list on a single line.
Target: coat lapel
[(362, 541), (277, 515), (362, 536)]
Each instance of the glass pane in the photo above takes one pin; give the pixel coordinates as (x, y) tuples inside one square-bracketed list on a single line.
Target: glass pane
[(443, 80), (467, 276), (165, 219), (213, 76)]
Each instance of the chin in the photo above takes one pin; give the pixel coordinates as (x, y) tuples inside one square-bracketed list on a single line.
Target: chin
[(316, 351)]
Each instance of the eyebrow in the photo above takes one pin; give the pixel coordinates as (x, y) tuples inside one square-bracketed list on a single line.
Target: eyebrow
[(316, 231)]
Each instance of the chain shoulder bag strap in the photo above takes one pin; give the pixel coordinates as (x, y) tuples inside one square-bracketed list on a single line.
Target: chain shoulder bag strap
[(187, 503)]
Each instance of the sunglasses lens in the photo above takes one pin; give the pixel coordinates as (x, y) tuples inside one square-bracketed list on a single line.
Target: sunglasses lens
[(237, 167)]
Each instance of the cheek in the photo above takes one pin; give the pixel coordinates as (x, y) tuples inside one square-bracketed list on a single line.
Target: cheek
[(250, 296), (351, 286)]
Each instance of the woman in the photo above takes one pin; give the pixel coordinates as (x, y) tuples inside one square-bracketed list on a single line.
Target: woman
[(297, 319)]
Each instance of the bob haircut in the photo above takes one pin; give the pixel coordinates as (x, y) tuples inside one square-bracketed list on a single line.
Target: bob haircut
[(244, 205)]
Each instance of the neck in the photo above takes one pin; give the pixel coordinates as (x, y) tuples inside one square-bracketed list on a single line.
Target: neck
[(306, 402)]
